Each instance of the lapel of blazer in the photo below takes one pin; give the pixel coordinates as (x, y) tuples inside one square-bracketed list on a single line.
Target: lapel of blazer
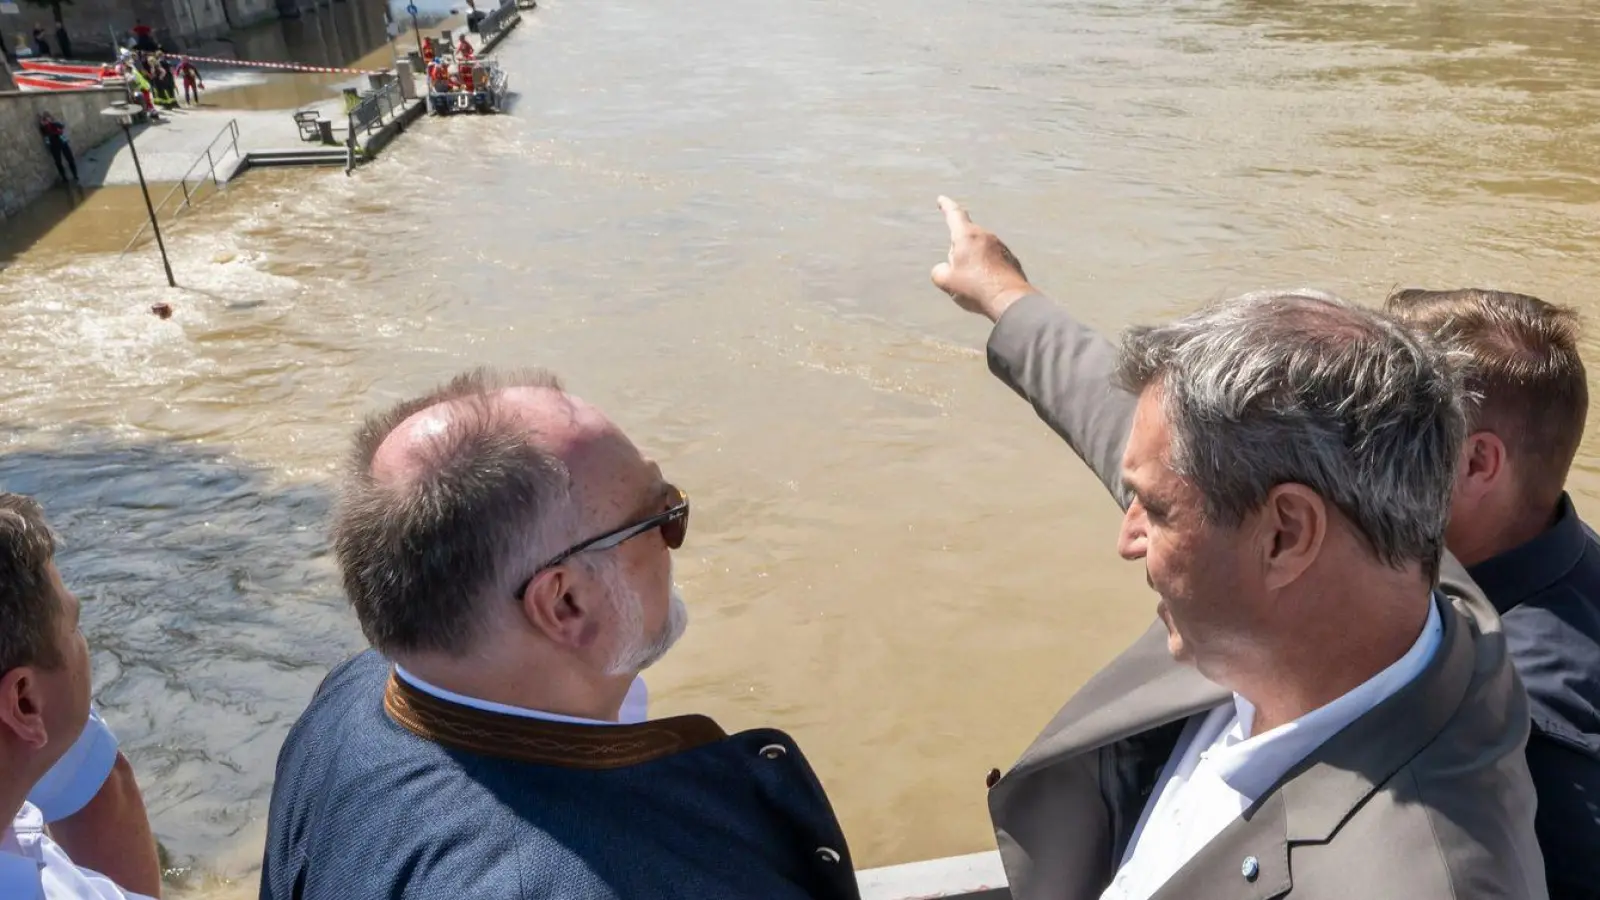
[(1311, 801), (1140, 690)]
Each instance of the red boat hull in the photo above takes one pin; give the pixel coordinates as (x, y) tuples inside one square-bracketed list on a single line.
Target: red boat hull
[(56, 75)]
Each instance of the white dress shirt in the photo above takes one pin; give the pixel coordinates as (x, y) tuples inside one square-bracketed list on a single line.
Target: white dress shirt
[(75, 778), (33, 867), (1218, 769), (634, 706)]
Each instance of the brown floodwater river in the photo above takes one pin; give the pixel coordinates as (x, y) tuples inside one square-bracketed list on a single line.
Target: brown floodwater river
[(715, 219)]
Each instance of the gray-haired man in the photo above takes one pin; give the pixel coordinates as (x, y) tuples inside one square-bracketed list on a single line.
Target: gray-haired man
[(1319, 713)]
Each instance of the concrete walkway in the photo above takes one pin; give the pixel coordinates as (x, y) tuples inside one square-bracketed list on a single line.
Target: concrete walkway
[(169, 149)]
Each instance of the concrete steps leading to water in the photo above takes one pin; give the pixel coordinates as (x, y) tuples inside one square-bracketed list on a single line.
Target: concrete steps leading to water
[(326, 156)]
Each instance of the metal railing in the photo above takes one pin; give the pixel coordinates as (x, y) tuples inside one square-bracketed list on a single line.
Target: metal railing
[(498, 21), (374, 111), (189, 185)]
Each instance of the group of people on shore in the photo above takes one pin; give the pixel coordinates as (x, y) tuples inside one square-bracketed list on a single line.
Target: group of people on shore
[(152, 78), (1373, 670)]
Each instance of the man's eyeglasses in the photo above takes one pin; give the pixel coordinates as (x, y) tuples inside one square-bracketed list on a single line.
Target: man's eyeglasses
[(674, 525)]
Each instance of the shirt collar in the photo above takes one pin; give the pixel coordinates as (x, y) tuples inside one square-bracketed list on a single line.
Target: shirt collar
[(1253, 765), (1517, 574), (490, 706)]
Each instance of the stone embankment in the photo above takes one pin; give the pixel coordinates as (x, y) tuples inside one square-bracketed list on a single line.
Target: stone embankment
[(26, 170)]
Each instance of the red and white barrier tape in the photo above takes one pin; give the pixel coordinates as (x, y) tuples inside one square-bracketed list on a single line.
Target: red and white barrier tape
[(289, 67)]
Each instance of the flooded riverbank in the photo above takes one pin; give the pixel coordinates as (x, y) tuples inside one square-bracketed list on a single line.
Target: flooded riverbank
[(716, 221)]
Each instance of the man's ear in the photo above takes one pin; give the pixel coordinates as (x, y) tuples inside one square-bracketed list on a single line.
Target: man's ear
[(1483, 464), (22, 707), (1293, 526), (560, 603)]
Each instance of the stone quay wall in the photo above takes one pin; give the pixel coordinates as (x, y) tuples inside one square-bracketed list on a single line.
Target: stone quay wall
[(26, 170)]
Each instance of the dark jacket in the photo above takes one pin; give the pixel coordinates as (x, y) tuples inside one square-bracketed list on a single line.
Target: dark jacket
[(1548, 595), (384, 791)]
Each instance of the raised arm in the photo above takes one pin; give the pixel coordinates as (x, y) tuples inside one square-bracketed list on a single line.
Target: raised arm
[(1058, 364)]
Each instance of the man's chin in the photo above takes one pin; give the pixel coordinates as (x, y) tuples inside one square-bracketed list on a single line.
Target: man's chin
[(1176, 647), (1175, 644), (671, 630)]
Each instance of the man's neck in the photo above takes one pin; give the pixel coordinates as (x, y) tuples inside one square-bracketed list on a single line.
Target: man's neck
[(1315, 662), (563, 693), (13, 790), (1498, 530)]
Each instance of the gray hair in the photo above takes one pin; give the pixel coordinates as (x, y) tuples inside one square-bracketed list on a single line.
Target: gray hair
[(28, 602), (428, 560), (1301, 387)]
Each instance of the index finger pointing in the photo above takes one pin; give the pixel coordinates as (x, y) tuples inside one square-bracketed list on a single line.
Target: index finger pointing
[(955, 217)]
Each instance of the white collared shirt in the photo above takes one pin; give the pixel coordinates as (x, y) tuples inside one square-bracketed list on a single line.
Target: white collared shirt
[(635, 706), (33, 867), (1218, 769)]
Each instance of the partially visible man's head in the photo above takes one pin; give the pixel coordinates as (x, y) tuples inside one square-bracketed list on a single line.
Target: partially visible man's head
[(1527, 401), (1283, 442), (44, 659), (456, 501)]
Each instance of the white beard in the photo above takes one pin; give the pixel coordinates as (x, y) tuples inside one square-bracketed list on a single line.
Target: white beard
[(635, 652)]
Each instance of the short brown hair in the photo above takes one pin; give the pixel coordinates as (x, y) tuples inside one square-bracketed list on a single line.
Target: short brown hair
[(28, 602), (423, 560), (1522, 371)]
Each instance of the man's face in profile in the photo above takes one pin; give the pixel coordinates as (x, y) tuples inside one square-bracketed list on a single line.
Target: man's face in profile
[(1194, 565)]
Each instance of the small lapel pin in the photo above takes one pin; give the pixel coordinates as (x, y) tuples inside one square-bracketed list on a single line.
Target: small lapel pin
[(1250, 869)]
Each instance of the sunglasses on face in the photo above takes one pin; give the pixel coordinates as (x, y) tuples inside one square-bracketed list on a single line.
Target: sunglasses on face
[(674, 525)]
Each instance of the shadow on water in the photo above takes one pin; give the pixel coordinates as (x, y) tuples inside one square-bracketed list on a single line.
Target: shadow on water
[(71, 220), (212, 611)]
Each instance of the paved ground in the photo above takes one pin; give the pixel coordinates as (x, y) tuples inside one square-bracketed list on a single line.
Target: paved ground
[(168, 149)]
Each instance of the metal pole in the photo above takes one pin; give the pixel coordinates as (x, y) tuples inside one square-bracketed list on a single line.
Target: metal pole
[(154, 225), (418, 30)]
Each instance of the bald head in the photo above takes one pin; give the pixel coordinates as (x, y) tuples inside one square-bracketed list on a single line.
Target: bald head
[(554, 421), (453, 499)]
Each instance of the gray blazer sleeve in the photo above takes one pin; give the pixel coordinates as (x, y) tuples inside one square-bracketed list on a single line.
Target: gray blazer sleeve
[(1063, 367)]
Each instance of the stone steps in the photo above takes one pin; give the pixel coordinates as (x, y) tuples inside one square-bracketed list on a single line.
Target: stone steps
[(322, 157)]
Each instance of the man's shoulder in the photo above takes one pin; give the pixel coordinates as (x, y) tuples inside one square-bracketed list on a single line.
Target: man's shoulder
[(351, 687), (1554, 637), (361, 671), (1423, 836)]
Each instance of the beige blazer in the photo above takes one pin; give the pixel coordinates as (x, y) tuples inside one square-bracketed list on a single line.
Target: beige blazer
[(1426, 796)]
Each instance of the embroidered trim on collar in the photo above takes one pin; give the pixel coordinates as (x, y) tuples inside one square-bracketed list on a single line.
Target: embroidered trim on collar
[(542, 742)]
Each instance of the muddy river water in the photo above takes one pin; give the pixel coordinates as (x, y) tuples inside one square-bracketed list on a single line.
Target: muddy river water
[(715, 218)]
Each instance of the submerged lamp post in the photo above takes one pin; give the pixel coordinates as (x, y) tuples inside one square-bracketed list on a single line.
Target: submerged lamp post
[(123, 113)]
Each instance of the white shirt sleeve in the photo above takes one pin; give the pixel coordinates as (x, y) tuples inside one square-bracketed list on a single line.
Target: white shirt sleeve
[(74, 780)]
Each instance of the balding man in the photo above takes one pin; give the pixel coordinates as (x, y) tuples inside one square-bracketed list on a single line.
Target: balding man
[(507, 551), (1326, 708)]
